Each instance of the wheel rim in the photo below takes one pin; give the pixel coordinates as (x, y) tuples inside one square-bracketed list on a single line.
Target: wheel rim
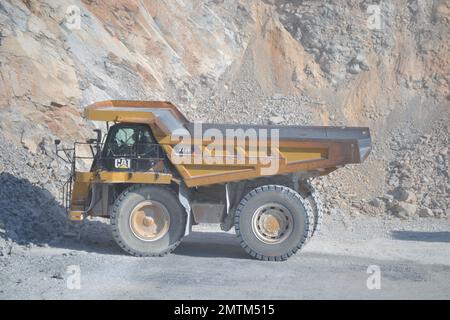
[(149, 220), (272, 223)]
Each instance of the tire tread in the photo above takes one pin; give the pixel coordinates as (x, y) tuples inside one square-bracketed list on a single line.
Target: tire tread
[(290, 193), (116, 233)]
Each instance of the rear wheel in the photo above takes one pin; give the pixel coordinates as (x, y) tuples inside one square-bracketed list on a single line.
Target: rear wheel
[(148, 220), (308, 192), (273, 222)]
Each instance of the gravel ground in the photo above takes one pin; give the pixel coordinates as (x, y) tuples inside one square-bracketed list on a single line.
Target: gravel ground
[(413, 257)]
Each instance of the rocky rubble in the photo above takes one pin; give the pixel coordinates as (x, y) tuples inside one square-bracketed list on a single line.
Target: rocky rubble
[(416, 172), (335, 35), (419, 178), (30, 213)]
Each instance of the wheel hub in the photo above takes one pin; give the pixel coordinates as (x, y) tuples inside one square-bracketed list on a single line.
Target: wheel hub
[(272, 223), (149, 220)]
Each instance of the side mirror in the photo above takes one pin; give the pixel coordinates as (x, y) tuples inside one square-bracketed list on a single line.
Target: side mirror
[(63, 150), (99, 135)]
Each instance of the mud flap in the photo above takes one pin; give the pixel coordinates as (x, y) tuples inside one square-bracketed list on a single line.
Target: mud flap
[(183, 196)]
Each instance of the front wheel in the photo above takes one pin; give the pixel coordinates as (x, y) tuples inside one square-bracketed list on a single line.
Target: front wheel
[(273, 222), (148, 220)]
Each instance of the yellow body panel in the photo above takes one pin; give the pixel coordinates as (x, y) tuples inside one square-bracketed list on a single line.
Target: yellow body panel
[(123, 177), (127, 111), (75, 215)]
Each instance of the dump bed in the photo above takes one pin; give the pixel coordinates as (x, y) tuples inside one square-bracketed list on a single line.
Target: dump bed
[(360, 136), (219, 153)]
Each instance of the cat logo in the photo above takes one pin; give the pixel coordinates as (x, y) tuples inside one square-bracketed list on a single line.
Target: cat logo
[(122, 163)]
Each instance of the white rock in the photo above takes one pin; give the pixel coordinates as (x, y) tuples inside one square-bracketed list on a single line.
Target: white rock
[(276, 120), (404, 209)]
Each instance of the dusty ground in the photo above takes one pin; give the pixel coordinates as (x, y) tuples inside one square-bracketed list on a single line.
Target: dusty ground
[(413, 257)]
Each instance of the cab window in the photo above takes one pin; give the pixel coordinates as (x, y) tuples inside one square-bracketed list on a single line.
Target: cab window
[(130, 141), (125, 137)]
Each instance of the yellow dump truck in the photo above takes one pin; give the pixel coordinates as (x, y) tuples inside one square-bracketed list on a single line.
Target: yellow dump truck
[(155, 174)]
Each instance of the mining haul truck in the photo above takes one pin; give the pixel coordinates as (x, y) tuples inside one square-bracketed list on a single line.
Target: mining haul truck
[(155, 174)]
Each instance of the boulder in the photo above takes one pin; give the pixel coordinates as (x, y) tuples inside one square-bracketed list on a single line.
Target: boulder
[(404, 210), (375, 202), (402, 194), (425, 213)]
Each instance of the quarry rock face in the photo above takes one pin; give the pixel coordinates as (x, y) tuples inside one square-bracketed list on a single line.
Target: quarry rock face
[(384, 66)]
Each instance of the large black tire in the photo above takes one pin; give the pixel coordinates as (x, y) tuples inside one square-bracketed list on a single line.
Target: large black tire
[(308, 192), (298, 210), (122, 231)]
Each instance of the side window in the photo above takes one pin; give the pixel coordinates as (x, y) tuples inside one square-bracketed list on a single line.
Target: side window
[(145, 136), (146, 146)]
